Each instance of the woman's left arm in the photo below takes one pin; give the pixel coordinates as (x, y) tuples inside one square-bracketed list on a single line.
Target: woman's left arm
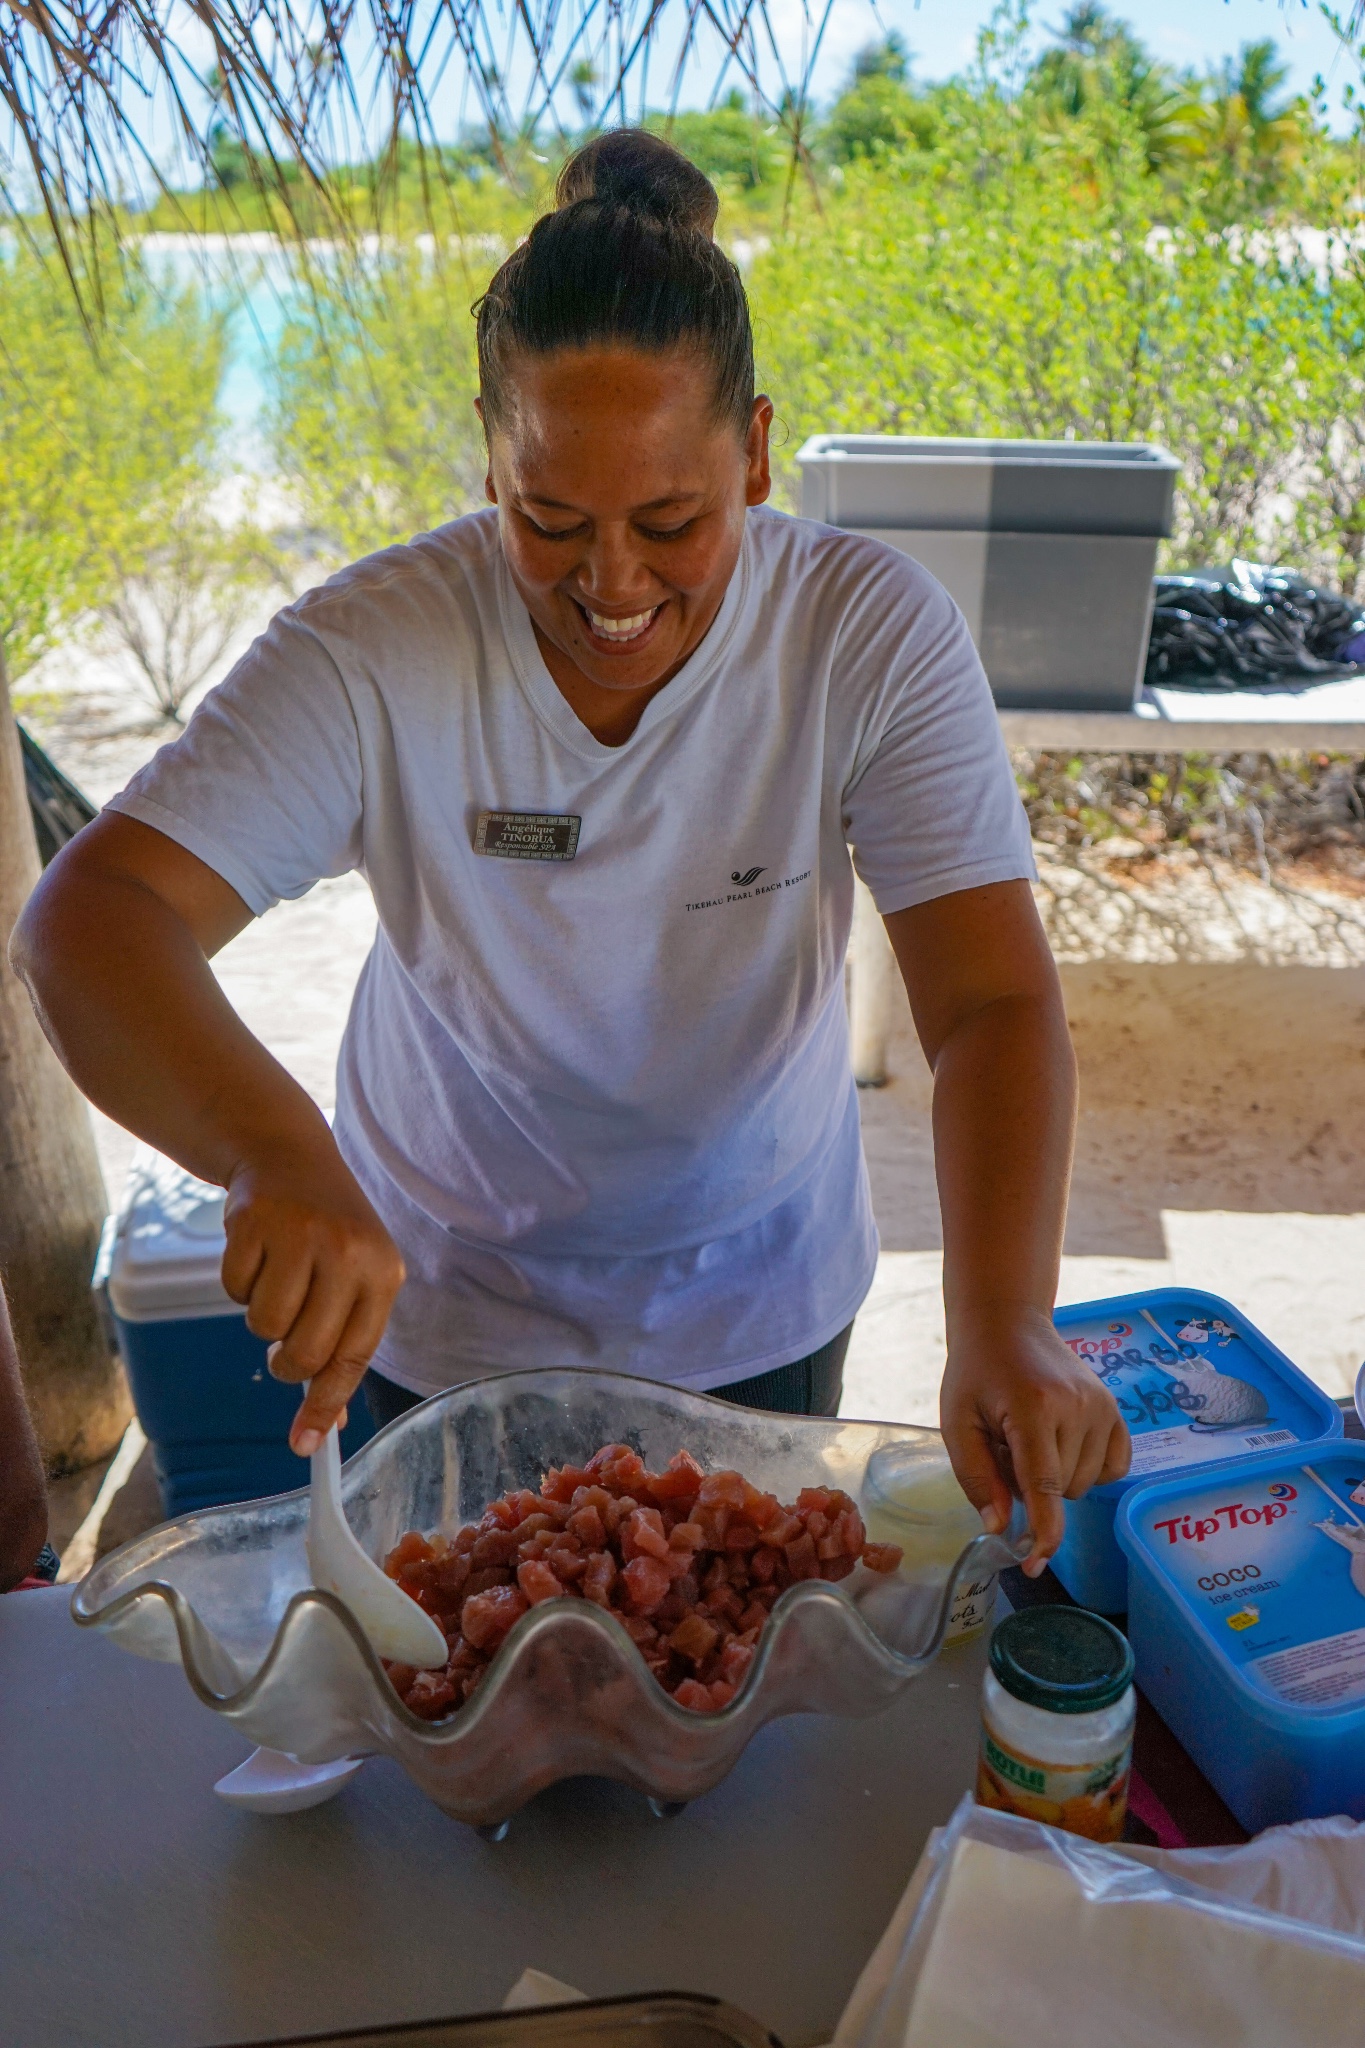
[(1020, 1413)]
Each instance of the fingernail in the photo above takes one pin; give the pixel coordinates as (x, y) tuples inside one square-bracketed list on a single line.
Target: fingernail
[(992, 1520), (307, 1441), (1034, 1567)]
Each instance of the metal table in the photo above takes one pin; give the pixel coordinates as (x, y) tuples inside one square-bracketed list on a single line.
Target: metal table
[(138, 1911)]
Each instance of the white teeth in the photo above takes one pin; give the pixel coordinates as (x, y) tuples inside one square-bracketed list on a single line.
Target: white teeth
[(621, 629)]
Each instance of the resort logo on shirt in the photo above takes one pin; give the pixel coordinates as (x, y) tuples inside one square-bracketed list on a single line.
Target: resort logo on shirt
[(744, 890)]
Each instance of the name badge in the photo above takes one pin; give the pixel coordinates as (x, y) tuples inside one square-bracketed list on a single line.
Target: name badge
[(527, 835)]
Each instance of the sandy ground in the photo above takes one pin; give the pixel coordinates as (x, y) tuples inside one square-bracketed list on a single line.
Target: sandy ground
[(1220, 1146), (1222, 1127)]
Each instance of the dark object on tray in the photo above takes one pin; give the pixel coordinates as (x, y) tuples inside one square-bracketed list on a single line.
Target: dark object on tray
[(57, 807), (660, 2019), (1250, 627)]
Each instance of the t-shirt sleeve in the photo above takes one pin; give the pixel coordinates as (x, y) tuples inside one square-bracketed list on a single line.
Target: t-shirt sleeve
[(931, 805), (265, 782)]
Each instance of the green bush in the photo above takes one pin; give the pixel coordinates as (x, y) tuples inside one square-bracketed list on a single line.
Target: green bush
[(103, 438), (1039, 298), (732, 144), (373, 409), (875, 117)]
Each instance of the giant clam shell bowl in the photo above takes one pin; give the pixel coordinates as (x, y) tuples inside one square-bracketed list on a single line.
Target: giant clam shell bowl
[(225, 1592)]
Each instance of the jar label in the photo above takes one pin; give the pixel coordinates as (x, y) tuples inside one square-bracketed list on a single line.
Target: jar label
[(1084, 1799), (973, 1606)]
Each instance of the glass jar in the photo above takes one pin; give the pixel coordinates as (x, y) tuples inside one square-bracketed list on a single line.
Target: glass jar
[(910, 1497), (1057, 1713)]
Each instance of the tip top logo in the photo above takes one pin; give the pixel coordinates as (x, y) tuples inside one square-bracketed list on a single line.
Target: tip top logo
[(749, 875), (1196, 1528)]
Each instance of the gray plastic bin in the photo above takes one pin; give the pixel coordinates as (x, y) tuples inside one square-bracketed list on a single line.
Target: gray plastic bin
[(1049, 547)]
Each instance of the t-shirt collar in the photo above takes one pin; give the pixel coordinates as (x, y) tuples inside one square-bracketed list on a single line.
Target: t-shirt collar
[(551, 706)]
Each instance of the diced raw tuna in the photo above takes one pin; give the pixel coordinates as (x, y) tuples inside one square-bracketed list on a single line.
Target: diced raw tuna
[(692, 1693), (538, 1582), (695, 1638), (647, 1582), (587, 1525), (599, 1578), (882, 1557), (690, 1563), (680, 1480), (487, 1617), (643, 1535)]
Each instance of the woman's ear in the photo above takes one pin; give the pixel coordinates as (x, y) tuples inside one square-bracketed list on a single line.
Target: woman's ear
[(758, 480)]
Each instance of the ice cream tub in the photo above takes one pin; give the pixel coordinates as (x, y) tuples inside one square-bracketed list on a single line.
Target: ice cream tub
[(1197, 1384), (1246, 1613)]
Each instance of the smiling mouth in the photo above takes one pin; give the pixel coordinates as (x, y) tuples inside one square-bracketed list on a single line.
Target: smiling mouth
[(619, 632)]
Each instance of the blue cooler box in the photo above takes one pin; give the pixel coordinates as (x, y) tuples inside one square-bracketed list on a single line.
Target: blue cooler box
[(1197, 1384), (218, 1424), (1246, 1612)]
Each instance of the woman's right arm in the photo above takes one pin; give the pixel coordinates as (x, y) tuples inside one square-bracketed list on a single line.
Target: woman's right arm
[(114, 946)]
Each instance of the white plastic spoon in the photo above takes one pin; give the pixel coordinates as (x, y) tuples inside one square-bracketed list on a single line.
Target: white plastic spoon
[(396, 1626), (272, 1782)]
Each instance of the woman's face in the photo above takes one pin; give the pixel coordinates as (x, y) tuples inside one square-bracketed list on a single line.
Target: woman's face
[(621, 505)]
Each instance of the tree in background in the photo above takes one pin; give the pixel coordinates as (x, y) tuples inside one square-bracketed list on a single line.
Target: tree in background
[(1097, 69), (732, 143), (877, 113), (101, 442), (100, 448), (1249, 138), (170, 615), (373, 406)]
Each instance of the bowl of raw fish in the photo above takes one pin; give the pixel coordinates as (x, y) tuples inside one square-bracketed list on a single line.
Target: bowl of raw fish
[(225, 1592)]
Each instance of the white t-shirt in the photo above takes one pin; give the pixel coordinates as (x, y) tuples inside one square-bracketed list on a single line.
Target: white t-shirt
[(604, 1104)]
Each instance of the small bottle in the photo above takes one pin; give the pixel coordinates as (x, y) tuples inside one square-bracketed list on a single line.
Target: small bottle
[(911, 1498), (1057, 1712)]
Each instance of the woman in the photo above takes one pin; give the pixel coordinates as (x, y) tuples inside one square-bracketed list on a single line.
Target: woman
[(600, 752)]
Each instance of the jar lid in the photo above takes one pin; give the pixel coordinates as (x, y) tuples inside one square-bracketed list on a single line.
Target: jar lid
[(1063, 1659)]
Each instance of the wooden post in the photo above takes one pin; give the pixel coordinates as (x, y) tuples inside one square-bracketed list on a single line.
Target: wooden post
[(872, 991), (51, 1191)]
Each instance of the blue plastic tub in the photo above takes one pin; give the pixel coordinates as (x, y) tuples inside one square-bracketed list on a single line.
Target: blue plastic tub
[(1247, 1619), (1197, 1384), (217, 1423)]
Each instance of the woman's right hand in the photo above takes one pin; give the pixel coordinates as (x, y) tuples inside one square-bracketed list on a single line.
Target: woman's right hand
[(317, 1272)]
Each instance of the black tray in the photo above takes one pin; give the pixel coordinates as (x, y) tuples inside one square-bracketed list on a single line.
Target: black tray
[(660, 2019)]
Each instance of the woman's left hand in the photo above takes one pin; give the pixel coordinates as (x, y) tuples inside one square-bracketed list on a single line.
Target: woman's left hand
[(1022, 1415)]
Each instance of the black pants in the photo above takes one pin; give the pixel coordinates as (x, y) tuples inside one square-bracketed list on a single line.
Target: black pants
[(809, 1386)]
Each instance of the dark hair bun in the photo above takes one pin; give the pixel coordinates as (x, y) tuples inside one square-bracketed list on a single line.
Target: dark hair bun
[(644, 175)]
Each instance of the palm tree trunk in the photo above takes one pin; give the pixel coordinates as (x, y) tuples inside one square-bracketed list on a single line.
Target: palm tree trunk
[(51, 1190)]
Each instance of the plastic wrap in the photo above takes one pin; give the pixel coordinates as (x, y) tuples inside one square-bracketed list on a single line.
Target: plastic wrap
[(1014, 1935)]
